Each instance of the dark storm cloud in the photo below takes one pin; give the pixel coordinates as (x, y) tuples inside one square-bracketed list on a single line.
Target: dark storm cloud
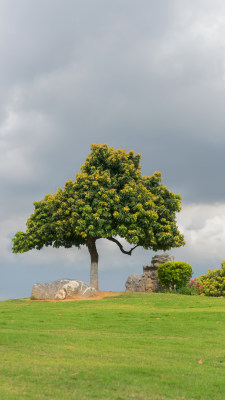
[(140, 75)]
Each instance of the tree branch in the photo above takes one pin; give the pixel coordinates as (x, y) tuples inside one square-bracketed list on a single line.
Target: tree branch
[(121, 247)]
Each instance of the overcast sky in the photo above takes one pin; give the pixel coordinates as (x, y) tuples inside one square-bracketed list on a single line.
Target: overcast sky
[(144, 75)]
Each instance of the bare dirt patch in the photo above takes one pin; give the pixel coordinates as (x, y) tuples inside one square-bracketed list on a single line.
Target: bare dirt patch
[(100, 295)]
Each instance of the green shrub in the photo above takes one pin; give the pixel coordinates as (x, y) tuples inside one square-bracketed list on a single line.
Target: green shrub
[(174, 275), (213, 282), (186, 290)]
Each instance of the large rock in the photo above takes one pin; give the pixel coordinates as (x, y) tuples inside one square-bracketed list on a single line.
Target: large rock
[(148, 281), (135, 283), (160, 259), (62, 289)]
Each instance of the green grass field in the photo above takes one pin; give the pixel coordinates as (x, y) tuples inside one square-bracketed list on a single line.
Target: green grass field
[(134, 346)]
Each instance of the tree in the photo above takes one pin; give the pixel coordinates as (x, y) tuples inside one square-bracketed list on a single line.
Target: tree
[(110, 198)]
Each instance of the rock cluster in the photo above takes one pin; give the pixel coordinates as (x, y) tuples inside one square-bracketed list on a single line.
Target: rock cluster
[(148, 281), (62, 289)]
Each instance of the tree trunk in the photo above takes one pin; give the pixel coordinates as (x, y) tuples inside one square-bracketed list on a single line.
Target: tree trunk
[(94, 262)]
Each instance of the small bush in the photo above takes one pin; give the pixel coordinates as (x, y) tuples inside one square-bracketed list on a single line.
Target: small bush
[(174, 275), (195, 285), (213, 283)]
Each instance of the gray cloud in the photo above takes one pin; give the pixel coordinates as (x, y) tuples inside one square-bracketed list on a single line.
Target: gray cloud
[(147, 76)]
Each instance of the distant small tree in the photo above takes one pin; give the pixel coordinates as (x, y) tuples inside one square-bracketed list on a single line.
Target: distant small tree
[(110, 198)]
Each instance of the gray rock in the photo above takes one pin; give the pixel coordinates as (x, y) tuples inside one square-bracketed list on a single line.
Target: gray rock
[(148, 281), (62, 289), (161, 258), (134, 283)]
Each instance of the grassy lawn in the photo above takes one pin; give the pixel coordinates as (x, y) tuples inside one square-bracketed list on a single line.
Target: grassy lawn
[(134, 346)]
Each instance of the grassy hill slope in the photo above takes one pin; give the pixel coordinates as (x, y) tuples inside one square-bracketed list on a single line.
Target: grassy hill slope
[(134, 346)]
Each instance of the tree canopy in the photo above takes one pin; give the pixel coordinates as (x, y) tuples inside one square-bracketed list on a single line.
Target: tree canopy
[(109, 199)]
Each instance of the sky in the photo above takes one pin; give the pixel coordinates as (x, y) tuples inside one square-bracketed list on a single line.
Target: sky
[(142, 75)]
